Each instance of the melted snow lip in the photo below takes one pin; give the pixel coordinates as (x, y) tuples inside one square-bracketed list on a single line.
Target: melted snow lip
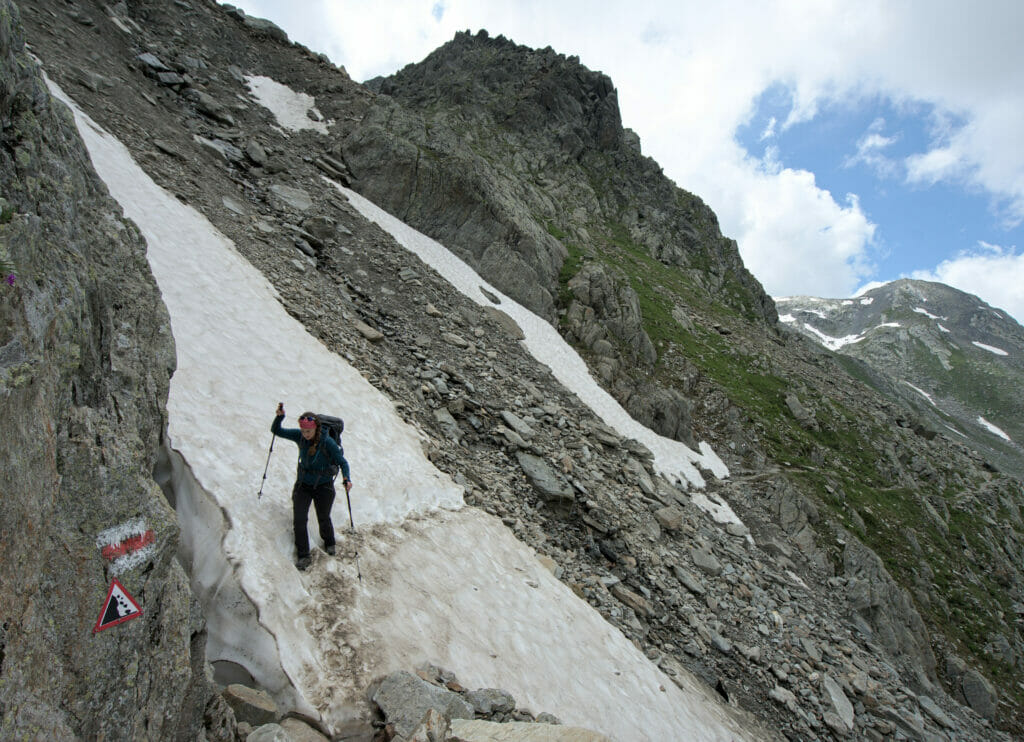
[(235, 633)]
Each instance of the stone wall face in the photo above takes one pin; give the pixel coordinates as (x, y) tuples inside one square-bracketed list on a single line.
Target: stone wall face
[(86, 355)]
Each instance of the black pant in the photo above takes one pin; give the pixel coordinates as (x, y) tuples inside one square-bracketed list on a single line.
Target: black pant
[(322, 497)]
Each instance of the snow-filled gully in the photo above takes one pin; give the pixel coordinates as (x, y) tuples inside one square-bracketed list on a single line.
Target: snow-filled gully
[(440, 582)]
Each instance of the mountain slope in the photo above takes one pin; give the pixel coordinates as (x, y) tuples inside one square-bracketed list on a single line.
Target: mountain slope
[(821, 464), (957, 361)]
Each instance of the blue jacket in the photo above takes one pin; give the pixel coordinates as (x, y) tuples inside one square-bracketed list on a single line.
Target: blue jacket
[(316, 469)]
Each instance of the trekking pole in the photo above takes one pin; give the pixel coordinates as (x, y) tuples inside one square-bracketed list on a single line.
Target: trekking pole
[(352, 527), (259, 495)]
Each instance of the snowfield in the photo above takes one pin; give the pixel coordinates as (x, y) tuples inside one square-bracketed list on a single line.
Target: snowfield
[(990, 348), (993, 429), (440, 582)]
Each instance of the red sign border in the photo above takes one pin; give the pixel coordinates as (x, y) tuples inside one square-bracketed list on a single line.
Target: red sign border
[(114, 581)]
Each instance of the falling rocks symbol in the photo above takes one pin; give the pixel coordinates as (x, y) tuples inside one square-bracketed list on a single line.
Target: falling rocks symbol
[(117, 608)]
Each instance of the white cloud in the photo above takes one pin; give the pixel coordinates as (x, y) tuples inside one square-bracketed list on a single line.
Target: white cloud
[(871, 150), (994, 273), (869, 286), (689, 74)]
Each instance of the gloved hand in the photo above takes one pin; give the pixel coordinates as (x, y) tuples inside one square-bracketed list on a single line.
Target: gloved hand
[(280, 409), (348, 485)]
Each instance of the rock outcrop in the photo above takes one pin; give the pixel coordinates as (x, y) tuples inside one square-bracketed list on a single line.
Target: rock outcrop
[(85, 358)]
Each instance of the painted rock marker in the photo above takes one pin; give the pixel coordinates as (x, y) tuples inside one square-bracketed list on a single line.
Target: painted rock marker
[(127, 545)]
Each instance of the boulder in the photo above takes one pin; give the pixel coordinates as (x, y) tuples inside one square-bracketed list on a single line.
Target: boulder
[(251, 705), (836, 700), (706, 561), (545, 481), (490, 701), (269, 733), (979, 693), (670, 518), (296, 198), (405, 699)]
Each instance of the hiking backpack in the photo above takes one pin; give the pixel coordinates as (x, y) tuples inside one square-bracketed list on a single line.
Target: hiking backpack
[(332, 426)]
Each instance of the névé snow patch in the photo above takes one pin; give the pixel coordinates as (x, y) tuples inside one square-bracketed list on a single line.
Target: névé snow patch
[(117, 608)]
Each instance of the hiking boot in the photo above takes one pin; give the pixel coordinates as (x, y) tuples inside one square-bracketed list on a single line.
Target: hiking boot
[(330, 549), (303, 563)]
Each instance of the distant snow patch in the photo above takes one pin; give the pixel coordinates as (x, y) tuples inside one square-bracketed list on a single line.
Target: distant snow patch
[(993, 429), (926, 313), (833, 343), (846, 302), (956, 431), (990, 349), (816, 313), (943, 328), (867, 300), (888, 324), (922, 392), (787, 318), (291, 109)]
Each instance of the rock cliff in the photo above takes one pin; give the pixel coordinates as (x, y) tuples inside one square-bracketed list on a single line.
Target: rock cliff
[(86, 353)]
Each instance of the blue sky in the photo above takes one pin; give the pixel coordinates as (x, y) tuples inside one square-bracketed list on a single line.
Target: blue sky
[(861, 149), (839, 143)]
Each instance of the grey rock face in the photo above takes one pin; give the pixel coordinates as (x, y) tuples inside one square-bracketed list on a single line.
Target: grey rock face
[(980, 694), (545, 480), (405, 699), (886, 607), (86, 353)]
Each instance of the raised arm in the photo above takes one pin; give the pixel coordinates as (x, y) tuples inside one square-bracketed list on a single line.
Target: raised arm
[(292, 434)]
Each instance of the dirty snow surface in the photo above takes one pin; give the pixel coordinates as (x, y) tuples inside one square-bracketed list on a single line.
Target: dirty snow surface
[(440, 582)]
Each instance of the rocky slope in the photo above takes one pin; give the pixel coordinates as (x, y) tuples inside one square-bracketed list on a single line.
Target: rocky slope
[(517, 159), (957, 361), (807, 628)]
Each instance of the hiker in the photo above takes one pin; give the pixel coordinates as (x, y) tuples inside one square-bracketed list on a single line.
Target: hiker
[(314, 481)]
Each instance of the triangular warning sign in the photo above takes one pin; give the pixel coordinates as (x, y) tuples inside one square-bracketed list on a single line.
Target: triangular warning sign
[(118, 607)]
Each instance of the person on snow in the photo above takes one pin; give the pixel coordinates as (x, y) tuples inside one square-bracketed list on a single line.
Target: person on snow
[(313, 481)]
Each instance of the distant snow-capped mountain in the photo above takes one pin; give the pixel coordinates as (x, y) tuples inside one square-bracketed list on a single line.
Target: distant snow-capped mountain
[(957, 360)]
